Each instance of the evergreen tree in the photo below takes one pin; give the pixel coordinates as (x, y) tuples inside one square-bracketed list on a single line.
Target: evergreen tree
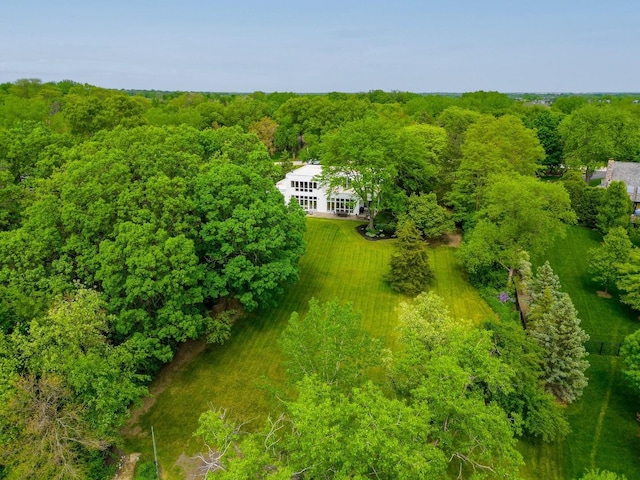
[(410, 271), (555, 326)]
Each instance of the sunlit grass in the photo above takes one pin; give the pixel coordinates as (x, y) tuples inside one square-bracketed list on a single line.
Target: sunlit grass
[(339, 264), (604, 428)]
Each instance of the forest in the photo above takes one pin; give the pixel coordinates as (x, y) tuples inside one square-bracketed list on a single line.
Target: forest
[(133, 221)]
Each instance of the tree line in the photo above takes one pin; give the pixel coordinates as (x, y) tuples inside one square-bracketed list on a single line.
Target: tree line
[(125, 218)]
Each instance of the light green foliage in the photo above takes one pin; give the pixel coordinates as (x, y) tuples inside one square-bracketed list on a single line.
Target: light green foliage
[(628, 281), (45, 434), (593, 134), (88, 114), (71, 342), (68, 392), (430, 218), (491, 102), (303, 120), (492, 146), (553, 324), (604, 260), (410, 271), (520, 213), (456, 121), (328, 343), (449, 371), (598, 474), (615, 208), (360, 435)]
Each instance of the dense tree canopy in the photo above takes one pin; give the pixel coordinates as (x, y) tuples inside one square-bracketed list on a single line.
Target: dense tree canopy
[(520, 214), (593, 134)]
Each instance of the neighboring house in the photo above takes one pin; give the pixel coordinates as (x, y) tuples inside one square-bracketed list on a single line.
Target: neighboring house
[(302, 184), (627, 172)]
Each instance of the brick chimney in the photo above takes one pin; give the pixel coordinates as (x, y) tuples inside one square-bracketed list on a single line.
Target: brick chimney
[(609, 174)]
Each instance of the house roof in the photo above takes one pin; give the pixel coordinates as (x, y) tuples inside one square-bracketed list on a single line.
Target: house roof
[(306, 171), (627, 172)]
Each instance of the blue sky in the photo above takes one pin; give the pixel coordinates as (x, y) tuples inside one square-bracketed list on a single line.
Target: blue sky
[(322, 46)]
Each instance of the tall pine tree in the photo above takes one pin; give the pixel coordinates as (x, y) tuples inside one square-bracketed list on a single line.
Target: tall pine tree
[(410, 271), (555, 326)]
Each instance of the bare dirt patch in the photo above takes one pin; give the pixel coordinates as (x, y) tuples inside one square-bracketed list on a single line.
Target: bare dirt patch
[(447, 240), (603, 294), (196, 466), (127, 467)]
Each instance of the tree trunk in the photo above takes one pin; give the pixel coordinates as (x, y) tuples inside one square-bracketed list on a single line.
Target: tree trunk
[(587, 175)]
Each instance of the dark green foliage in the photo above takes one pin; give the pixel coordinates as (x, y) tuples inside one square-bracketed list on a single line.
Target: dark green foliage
[(540, 414), (615, 208), (146, 218), (430, 219), (410, 271), (554, 325), (545, 122), (585, 200)]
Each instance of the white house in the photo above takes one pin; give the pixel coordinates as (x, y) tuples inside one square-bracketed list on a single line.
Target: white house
[(303, 185)]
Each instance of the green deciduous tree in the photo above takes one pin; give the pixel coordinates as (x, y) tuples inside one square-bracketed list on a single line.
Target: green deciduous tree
[(430, 218), (593, 134), (364, 154), (630, 352), (492, 146), (615, 208), (529, 401), (520, 214), (410, 270), (249, 240), (67, 393), (597, 474), (605, 259), (447, 368), (585, 200), (628, 281), (328, 343)]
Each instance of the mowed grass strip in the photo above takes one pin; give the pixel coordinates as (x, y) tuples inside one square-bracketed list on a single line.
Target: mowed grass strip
[(604, 427), (339, 264), (450, 283)]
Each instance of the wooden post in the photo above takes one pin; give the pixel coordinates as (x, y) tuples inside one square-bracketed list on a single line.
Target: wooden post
[(155, 453)]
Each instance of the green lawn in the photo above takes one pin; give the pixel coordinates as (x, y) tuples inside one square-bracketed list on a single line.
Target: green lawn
[(338, 264), (604, 428)]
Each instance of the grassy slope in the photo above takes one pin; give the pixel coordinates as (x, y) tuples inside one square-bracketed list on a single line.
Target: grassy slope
[(604, 431), (338, 264)]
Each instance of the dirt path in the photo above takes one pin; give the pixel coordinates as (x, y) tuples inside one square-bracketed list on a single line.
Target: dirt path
[(187, 352)]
